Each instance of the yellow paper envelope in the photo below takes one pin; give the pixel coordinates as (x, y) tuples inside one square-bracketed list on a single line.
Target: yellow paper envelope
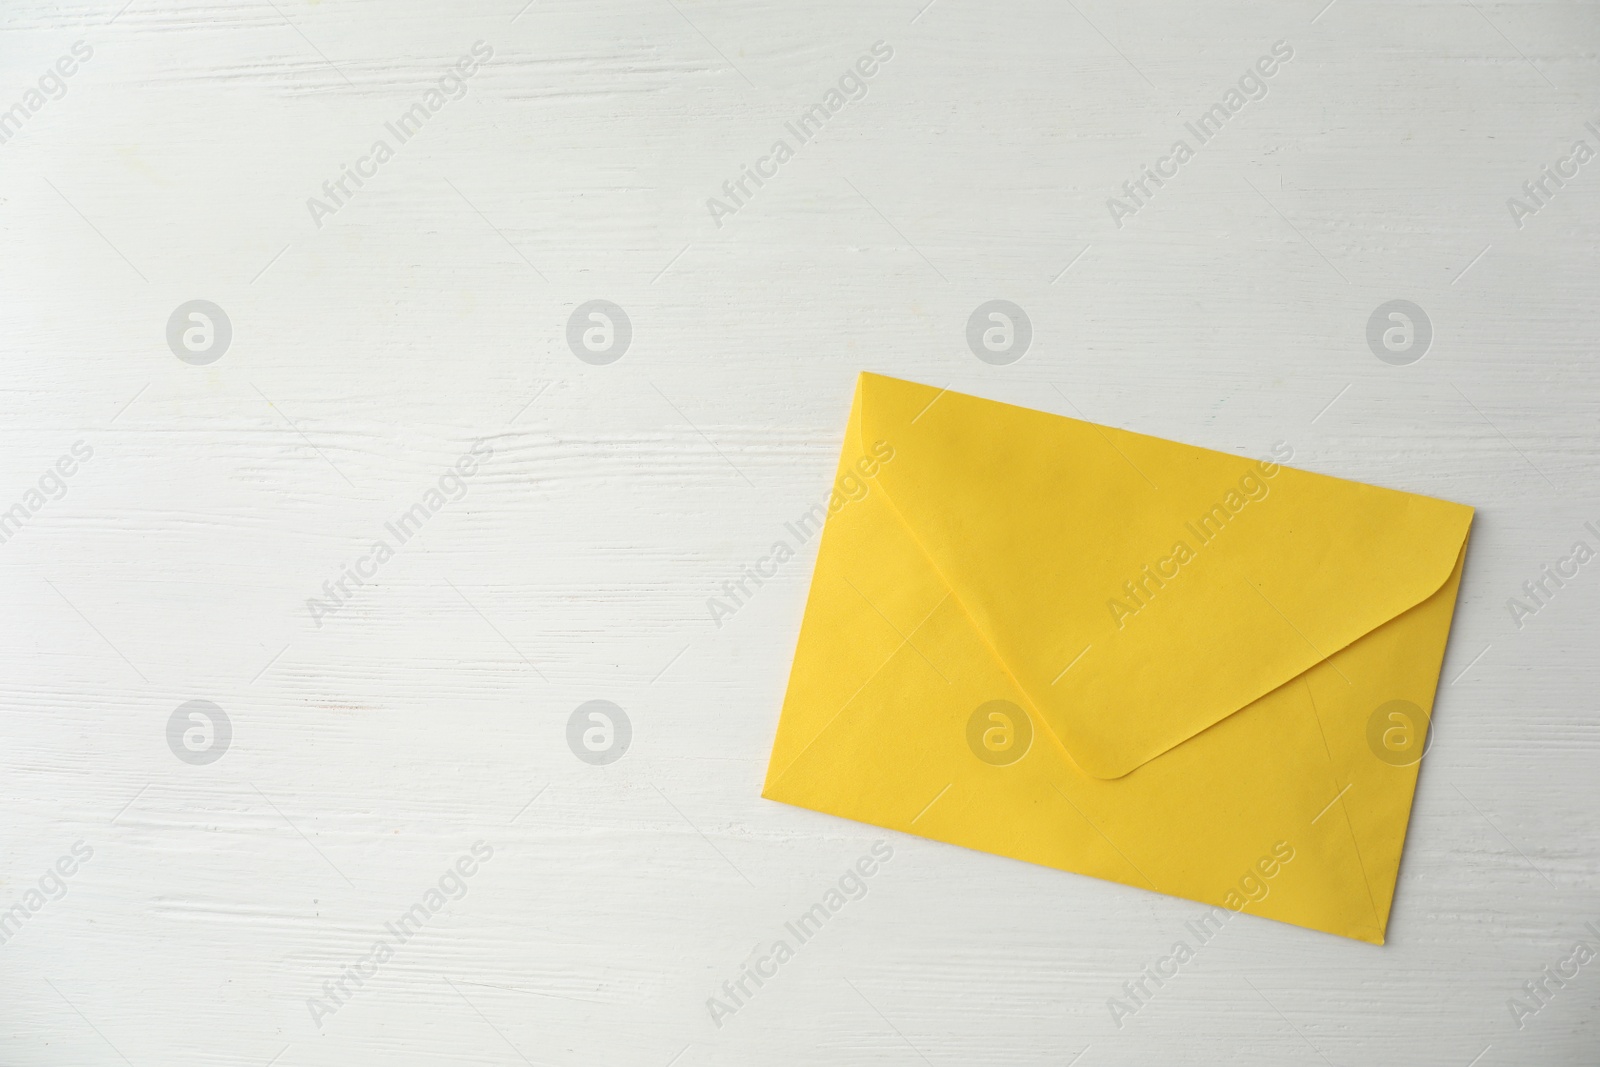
[(1120, 656)]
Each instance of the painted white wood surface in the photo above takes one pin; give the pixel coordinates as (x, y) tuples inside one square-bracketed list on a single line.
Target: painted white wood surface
[(372, 748)]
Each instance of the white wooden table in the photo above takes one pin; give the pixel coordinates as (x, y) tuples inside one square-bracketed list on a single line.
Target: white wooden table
[(186, 495)]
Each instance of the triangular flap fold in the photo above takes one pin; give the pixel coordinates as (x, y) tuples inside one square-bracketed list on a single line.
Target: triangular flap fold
[(1140, 590)]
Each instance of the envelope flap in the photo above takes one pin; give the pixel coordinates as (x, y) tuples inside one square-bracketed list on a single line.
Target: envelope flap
[(1137, 589)]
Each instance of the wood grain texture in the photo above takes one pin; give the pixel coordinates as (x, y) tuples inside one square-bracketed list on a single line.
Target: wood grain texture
[(373, 747)]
